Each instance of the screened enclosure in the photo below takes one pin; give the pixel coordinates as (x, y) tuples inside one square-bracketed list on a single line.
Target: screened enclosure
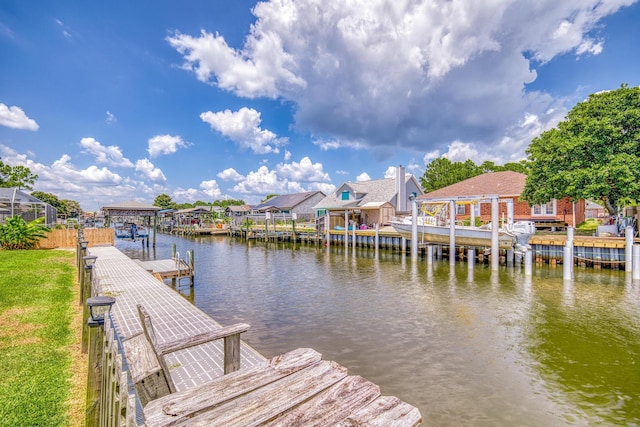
[(15, 202)]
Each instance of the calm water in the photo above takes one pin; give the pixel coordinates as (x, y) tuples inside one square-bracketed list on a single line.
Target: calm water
[(467, 348)]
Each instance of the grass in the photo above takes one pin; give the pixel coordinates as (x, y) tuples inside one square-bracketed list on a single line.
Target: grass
[(41, 378)]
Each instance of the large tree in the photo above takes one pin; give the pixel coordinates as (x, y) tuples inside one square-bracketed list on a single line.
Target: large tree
[(593, 154), (164, 201), (65, 207), (16, 176), (442, 172)]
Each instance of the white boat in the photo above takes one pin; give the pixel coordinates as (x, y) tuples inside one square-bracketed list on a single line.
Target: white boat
[(130, 231), (517, 237)]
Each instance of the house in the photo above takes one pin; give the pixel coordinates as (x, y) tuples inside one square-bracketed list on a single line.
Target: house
[(300, 204), (509, 185), (594, 210), (375, 201), (234, 211)]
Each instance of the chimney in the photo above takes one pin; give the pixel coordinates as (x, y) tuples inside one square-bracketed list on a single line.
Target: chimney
[(401, 190)]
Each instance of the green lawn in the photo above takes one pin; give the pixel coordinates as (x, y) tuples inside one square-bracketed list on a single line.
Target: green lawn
[(36, 337)]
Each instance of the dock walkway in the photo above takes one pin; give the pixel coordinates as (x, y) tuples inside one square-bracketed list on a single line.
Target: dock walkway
[(174, 317), (297, 388)]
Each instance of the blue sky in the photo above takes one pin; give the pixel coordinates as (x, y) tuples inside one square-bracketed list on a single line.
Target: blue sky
[(206, 100)]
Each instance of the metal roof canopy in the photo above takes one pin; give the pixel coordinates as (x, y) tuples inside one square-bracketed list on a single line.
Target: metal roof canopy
[(134, 208)]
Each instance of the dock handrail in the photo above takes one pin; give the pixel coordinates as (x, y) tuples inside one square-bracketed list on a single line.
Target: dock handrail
[(154, 379)]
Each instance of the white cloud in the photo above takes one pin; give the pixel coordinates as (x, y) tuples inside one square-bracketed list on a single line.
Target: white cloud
[(390, 172), (164, 144), (93, 186), (230, 174), (14, 117), (149, 171), (110, 155), (305, 171), (188, 195), (363, 177), (287, 155), (243, 128), (419, 74), (211, 189), (111, 118)]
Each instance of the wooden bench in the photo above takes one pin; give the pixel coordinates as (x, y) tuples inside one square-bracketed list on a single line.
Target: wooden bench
[(294, 389), (146, 356)]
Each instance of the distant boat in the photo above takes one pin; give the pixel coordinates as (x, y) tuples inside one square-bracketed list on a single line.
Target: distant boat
[(130, 231), (517, 237)]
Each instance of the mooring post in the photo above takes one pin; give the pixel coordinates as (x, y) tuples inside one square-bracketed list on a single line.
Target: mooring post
[(636, 262), (495, 229), (414, 229), (471, 257), (452, 232), (377, 241), (430, 254), (567, 263), (628, 252), (173, 251), (192, 266), (528, 262)]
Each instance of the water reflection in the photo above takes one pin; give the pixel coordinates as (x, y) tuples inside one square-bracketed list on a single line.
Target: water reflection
[(468, 347)]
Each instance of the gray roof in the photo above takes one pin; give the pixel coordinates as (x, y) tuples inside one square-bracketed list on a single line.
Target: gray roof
[(286, 201), (131, 205), (373, 192)]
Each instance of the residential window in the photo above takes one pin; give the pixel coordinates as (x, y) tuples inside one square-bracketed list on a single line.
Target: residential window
[(461, 209), (548, 209), (345, 195)]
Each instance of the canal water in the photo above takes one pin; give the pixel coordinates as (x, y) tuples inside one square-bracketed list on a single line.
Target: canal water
[(468, 348)]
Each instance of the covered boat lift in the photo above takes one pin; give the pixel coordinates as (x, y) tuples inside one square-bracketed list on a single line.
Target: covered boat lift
[(132, 208)]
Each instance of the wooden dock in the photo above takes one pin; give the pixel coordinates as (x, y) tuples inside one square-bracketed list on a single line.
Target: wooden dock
[(167, 268), (297, 388)]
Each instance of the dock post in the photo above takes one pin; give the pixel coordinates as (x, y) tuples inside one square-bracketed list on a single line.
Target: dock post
[(567, 264), (471, 257), (414, 229), (192, 266), (452, 232), (628, 252), (353, 236), (636, 262), (495, 228), (430, 253), (377, 241), (528, 263)]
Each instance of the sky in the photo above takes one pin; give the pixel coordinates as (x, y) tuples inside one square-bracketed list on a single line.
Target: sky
[(235, 99)]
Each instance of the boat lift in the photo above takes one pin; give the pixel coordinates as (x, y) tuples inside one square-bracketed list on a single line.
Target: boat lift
[(494, 199)]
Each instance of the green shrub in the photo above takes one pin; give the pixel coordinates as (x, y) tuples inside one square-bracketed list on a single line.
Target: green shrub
[(16, 233)]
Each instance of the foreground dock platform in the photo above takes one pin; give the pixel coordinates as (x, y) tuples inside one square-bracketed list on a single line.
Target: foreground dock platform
[(294, 389)]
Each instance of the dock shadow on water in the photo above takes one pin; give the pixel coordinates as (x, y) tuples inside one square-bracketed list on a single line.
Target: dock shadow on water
[(467, 347)]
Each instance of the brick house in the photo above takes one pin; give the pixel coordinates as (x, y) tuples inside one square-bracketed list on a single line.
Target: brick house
[(509, 185)]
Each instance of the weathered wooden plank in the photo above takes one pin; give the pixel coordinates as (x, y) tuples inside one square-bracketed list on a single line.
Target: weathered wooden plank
[(202, 338), (385, 411), (146, 373), (178, 406), (331, 405), (141, 358), (267, 402)]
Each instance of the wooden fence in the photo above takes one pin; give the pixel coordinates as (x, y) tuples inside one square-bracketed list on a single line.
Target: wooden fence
[(67, 238)]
